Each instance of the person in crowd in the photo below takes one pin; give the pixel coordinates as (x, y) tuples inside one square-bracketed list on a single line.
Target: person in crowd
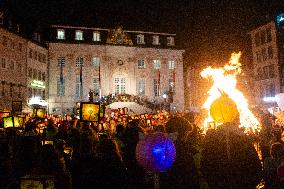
[(136, 174), (87, 140), (27, 151), (59, 146), (183, 173), (229, 159), (51, 164), (119, 137), (107, 169), (51, 131), (271, 164), (5, 160), (62, 131)]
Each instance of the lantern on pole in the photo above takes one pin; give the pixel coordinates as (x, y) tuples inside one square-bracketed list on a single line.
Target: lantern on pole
[(156, 152)]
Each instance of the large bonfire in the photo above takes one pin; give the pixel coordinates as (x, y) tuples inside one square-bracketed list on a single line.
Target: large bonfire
[(225, 82)]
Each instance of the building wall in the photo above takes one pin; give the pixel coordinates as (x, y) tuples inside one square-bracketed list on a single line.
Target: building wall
[(13, 67), (37, 57), (266, 67), (110, 56)]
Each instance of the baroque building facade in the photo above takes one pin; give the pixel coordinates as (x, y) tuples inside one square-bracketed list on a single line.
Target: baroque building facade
[(268, 61), (110, 62)]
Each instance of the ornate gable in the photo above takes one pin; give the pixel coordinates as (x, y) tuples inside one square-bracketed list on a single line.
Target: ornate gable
[(117, 36)]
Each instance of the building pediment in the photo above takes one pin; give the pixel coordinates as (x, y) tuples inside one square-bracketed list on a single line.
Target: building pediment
[(118, 36)]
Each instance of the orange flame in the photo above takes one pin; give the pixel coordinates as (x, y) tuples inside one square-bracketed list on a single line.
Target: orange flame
[(224, 79)]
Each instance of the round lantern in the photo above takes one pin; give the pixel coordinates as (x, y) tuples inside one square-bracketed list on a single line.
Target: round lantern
[(156, 152), (223, 110)]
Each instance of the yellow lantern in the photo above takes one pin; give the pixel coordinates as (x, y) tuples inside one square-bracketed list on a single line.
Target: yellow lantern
[(223, 110)]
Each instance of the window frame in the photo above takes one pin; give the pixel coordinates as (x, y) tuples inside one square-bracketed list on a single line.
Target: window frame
[(156, 40), (139, 66), (140, 39), (62, 36), (77, 36), (96, 36)]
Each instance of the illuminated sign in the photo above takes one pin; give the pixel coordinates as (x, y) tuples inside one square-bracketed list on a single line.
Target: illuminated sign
[(37, 83), (37, 100), (280, 18)]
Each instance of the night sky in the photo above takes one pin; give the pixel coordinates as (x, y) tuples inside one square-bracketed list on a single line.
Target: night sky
[(208, 30)]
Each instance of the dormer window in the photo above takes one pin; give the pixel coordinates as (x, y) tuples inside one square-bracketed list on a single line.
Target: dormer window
[(36, 37), (60, 34), (79, 35), (156, 40), (96, 36), (140, 39), (170, 41)]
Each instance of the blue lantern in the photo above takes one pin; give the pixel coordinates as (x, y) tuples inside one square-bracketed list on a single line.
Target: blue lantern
[(156, 152)]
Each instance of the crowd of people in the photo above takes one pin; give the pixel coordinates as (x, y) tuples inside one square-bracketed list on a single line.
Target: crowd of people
[(79, 155)]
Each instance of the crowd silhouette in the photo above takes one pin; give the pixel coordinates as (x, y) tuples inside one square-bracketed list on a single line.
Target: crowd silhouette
[(86, 155)]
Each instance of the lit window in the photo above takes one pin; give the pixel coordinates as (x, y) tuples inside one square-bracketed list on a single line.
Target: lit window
[(156, 88), (157, 64), (119, 84), (141, 64), (170, 41), (60, 86), (79, 35), (96, 61), (156, 40), (140, 39), (60, 34), (171, 64), (96, 36), (141, 86), (79, 62)]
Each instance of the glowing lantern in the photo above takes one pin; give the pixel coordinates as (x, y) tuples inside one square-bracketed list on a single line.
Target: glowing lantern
[(156, 152), (223, 110)]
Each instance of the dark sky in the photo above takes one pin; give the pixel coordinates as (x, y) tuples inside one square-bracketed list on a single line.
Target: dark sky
[(208, 29)]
